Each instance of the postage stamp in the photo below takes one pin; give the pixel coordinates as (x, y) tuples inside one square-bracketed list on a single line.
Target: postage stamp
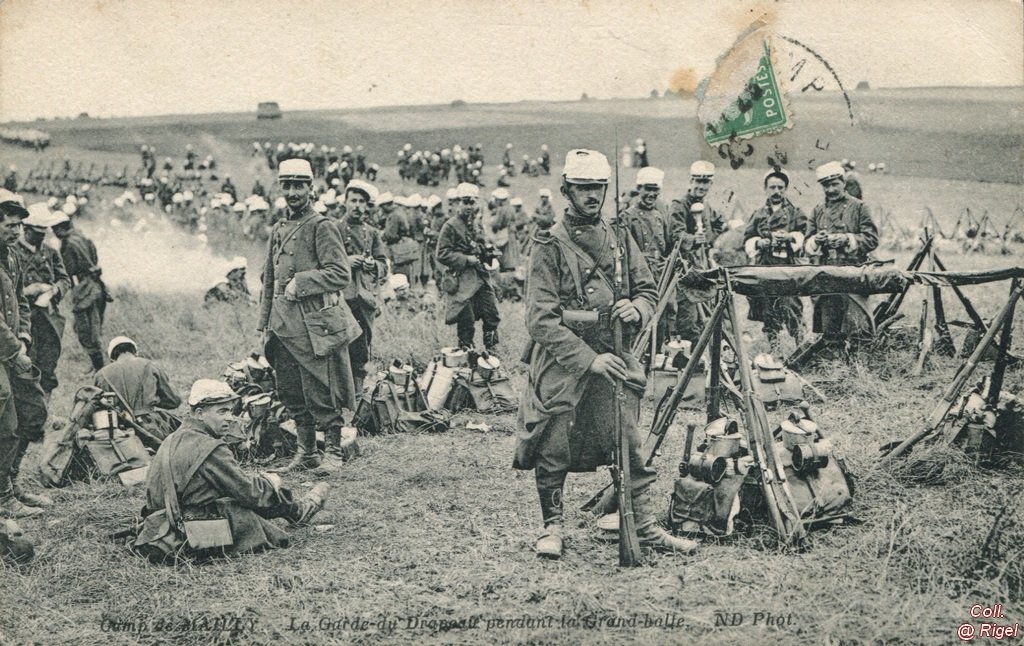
[(759, 108)]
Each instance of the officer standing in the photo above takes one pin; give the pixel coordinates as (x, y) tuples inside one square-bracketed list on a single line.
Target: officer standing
[(304, 320), (46, 283), (693, 229), (775, 236), (566, 418), (467, 287), (841, 232)]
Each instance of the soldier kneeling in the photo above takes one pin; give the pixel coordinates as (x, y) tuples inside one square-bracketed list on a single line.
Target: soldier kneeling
[(199, 501)]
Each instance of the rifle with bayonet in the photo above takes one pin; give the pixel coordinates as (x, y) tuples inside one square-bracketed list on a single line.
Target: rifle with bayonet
[(629, 543)]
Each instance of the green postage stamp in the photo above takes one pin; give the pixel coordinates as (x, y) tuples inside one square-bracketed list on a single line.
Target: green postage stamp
[(759, 109)]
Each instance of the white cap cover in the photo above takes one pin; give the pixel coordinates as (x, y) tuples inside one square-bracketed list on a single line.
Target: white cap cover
[(829, 171), (465, 189), (210, 391), (586, 167), (702, 169), (120, 340), (295, 170), (650, 176)]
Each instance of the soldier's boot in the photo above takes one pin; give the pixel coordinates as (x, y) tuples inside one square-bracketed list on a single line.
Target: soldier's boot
[(310, 505), (306, 455), (98, 360), (11, 507), (29, 499), (549, 545), (340, 443), (650, 533), (491, 340)]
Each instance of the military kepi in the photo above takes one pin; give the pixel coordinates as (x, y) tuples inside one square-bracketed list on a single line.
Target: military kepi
[(830, 171), (295, 170), (586, 167)]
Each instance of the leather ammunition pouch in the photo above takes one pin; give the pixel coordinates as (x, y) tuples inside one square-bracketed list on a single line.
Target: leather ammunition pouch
[(586, 321), (449, 283)]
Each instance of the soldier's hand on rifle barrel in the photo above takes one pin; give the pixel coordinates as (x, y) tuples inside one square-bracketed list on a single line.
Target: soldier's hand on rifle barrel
[(700, 238), (609, 366), (625, 310)]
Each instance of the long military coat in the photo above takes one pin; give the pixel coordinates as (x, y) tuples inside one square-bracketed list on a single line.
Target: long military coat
[(571, 267), (456, 246), (44, 265), (308, 248)]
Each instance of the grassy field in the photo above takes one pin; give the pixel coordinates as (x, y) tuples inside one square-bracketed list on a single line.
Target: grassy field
[(427, 538)]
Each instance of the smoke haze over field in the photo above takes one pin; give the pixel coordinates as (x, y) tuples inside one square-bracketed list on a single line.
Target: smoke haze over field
[(155, 256), (116, 58)]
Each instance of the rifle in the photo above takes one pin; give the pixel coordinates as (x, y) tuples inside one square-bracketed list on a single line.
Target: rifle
[(666, 410), (888, 308), (786, 515), (629, 544), (938, 415), (666, 292)]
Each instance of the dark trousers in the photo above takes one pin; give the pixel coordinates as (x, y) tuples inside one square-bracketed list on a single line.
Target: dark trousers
[(307, 399), (482, 306), (45, 349), (687, 321), (88, 328), (22, 417), (360, 349)]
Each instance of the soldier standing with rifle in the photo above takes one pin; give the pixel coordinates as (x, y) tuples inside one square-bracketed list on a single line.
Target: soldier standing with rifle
[(569, 411), (304, 321), (775, 236), (693, 230)]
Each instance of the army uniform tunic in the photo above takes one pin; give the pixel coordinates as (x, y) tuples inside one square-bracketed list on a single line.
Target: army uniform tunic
[(567, 415), (209, 483), (22, 401), (847, 215), (682, 232), (308, 248), (89, 294), (44, 265), (362, 240), (145, 388), (473, 298), (776, 312)]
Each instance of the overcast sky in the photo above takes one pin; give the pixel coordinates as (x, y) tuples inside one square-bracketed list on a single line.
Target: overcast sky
[(114, 57)]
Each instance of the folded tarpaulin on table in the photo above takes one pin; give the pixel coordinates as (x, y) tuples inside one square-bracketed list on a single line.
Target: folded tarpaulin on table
[(813, 280)]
